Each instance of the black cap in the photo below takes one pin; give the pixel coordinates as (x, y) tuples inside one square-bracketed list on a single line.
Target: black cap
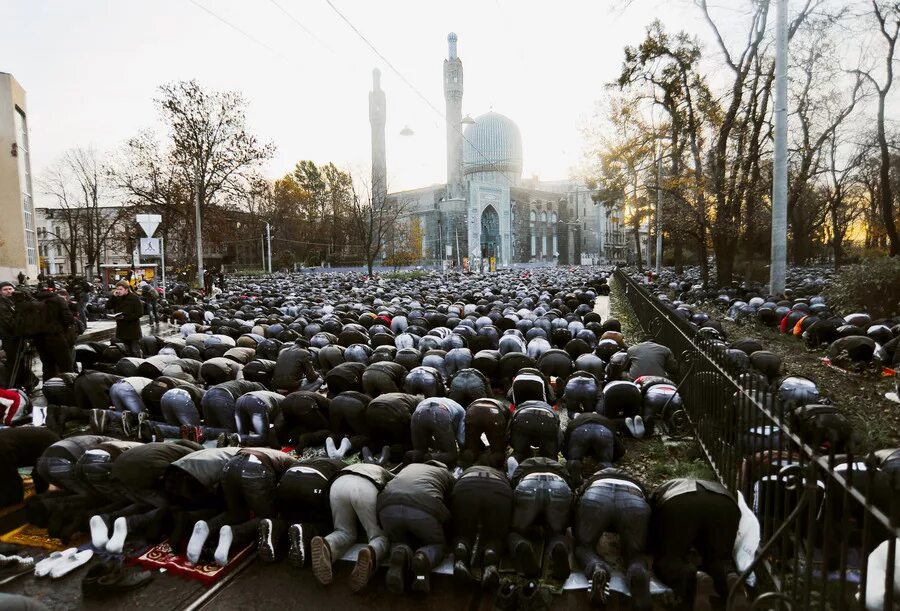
[(4, 283)]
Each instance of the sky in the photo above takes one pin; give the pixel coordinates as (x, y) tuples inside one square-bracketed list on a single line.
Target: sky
[(91, 69)]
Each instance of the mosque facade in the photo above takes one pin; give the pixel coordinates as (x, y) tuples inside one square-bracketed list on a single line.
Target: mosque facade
[(486, 210)]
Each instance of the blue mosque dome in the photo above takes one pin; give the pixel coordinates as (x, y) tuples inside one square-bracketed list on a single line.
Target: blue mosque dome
[(492, 144)]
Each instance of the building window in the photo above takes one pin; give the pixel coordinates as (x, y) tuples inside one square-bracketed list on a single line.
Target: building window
[(555, 246), (553, 217), (533, 244), (544, 245), (533, 216), (543, 217), (25, 182)]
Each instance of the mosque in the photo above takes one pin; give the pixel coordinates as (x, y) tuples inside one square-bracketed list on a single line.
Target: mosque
[(486, 210)]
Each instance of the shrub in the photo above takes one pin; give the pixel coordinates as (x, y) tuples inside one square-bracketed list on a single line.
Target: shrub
[(873, 287)]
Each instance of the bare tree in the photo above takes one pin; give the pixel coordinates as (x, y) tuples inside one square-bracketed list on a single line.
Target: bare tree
[(58, 184), (373, 219), (887, 15), (843, 195)]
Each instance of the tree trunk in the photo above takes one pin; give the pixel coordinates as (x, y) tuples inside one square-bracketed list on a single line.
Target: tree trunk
[(886, 192), (679, 255)]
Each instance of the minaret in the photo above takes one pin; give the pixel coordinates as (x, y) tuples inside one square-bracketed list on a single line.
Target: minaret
[(453, 93), (377, 114)]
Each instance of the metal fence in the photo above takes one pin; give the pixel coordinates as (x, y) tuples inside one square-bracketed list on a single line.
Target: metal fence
[(823, 510)]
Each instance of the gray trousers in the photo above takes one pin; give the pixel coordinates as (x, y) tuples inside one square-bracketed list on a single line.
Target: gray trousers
[(354, 497)]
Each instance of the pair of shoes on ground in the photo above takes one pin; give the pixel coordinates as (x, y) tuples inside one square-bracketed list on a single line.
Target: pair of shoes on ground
[(62, 563), (100, 538), (322, 564), (198, 540), (530, 596), (138, 426), (110, 577), (383, 459), (337, 452), (403, 561), (228, 440)]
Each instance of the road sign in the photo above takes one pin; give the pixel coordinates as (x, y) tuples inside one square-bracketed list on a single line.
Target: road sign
[(150, 246), (149, 223)]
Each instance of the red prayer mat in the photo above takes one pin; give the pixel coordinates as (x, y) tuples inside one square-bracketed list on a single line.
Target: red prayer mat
[(164, 557)]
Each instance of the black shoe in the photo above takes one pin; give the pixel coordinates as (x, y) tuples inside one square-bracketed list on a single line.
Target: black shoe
[(507, 596), (265, 548), (599, 592), (385, 457), (461, 552), (297, 551), (396, 575), (421, 569), (559, 561), (525, 560), (118, 580)]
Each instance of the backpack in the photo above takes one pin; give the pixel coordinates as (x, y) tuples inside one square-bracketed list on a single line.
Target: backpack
[(31, 317)]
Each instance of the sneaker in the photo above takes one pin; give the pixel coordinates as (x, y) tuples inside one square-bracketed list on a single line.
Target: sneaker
[(144, 429), (186, 431), (297, 551), (99, 421), (525, 560), (321, 560), (599, 592), (234, 440), (129, 423), (363, 569), (490, 576), (222, 440), (461, 572), (367, 455), (421, 569), (396, 575), (265, 549)]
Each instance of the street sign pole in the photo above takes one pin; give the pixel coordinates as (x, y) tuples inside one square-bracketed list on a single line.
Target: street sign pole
[(162, 263)]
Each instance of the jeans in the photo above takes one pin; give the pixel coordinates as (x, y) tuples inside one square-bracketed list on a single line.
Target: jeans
[(484, 503), (432, 430), (541, 500), (61, 473), (218, 409), (248, 487), (535, 428), (590, 438), (581, 394), (485, 417), (124, 397), (252, 416), (353, 498), (608, 507), (347, 416), (56, 355), (412, 527)]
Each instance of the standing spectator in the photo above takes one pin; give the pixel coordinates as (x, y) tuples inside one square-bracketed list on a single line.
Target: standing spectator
[(128, 309), (22, 278), (99, 289), (150, 298), (208, 282), (80, 290), (10, 331), (221, 278), (49, 321)]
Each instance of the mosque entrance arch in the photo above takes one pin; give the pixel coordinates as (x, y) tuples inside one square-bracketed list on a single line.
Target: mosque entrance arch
[(490, 233)]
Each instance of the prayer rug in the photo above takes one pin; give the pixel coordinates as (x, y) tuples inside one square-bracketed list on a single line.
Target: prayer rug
[(164, 557), (32, 536)]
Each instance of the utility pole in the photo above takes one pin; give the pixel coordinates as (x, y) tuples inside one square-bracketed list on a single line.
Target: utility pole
[(659, 245), (269, 244), (199, 232), (778, 263)]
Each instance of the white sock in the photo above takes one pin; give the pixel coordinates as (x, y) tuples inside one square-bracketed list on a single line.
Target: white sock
[(639, 430), (345, 447), (117, 541), (629, 424), (99, 532), (198, 538), (511, 464), (329, 448), (225, 539)]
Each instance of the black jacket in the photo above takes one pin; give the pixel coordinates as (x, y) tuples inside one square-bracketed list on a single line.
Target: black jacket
[(128, 326), (8, 326), (142, 468), (594, 418), (58, 318), (676, 487), (424, 486)]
